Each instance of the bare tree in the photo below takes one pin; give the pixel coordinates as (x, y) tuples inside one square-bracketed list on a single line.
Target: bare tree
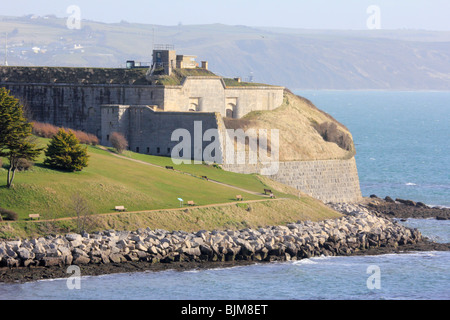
[(81, 208), (118, 142)]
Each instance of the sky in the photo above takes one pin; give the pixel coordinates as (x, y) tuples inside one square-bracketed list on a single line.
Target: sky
[(305, 14)]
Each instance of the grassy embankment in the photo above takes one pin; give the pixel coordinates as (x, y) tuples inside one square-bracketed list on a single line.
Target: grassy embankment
[(109, 181)]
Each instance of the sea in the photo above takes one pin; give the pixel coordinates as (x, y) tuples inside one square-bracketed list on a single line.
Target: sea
[(403, 151)]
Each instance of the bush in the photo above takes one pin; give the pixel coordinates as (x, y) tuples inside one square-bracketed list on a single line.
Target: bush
[(118, 141), (47, 130), (24, 164), (330, 132), (8, 215), (65, 152)]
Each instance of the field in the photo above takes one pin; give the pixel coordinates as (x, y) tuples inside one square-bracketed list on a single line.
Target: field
[(110, 181)]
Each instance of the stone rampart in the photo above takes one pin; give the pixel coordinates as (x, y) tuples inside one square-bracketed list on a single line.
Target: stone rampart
[(326, 180)]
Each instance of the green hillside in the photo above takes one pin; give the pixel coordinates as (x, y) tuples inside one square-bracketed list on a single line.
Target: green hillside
[(110, 181), (150, 193)]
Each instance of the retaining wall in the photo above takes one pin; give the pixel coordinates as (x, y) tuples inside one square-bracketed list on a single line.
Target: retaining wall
[(326, 180)]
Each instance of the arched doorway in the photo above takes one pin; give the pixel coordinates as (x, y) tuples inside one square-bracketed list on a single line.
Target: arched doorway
[(231, 111), (193, 107)]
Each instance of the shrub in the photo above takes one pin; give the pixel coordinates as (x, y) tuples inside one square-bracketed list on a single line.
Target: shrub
[(118, 141), (8, 215), (330, 132), (65, 152), (47, 130), (24, 164)]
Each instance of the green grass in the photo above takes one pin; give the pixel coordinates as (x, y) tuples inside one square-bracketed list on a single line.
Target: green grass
[(109, 181), (246, 181), (177, 76), (230, 216), (229, 82)]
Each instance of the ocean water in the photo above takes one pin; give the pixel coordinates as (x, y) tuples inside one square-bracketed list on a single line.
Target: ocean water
[(402, 140), (415, 275), (403, 150)]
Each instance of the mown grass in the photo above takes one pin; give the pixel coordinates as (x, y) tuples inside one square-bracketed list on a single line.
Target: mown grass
[(109, 181), (250, 182)]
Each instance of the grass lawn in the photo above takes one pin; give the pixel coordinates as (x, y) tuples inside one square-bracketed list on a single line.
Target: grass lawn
[(110, 181), (246, 181)]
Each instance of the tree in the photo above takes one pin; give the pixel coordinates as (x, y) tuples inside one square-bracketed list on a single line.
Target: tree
[(118, 141), (15, 133), (65, 152), (81, 208)]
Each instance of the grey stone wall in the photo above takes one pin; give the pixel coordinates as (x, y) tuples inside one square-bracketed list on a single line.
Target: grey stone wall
[(326, 180), (150, 132), (78, 106)]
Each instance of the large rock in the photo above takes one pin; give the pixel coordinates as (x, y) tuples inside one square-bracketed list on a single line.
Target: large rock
[(25, 254), (73, 236)]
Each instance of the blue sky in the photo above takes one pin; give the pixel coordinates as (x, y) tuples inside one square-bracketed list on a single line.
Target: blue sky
[(310, 14)]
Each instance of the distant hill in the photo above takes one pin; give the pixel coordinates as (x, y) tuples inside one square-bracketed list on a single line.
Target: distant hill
[(297, 59)]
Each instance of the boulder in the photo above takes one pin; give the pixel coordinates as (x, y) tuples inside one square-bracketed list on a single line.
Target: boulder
[(116, 258), (25, 254), (52, 261), (81, 259), (140, 246), (73, 236)]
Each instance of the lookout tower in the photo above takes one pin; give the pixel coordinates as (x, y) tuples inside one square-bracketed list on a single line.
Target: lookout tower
[(164, 56)]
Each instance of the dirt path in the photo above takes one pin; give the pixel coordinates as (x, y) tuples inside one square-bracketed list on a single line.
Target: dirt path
[(184, 207)]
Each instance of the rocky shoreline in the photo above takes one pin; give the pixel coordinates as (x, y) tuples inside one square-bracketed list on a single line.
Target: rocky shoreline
[(359, 231), (404, 209)]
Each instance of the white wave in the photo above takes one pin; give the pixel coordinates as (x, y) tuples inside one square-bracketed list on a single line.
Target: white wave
[(410, 184), (304, 261), (438, 206)]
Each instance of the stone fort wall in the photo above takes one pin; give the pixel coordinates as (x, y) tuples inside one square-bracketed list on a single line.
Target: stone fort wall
[(100, 109), (326, 180), (77, 102), (150, 132)]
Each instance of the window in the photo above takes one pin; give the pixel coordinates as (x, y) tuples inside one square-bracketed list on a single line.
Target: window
[(148, 149), (158, 150), (107, 137), (137, 149), (168, 150)]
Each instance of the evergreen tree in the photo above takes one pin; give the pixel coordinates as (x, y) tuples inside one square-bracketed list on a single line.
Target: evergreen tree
[(65, 152), (15, 133)]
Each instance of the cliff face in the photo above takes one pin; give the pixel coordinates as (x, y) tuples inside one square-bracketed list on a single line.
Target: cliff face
[(305, 132)]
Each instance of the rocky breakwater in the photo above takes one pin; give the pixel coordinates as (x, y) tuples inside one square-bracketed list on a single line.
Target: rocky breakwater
[(347, 235)]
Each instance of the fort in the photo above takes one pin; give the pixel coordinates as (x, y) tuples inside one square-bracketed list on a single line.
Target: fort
[(147, 104)]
